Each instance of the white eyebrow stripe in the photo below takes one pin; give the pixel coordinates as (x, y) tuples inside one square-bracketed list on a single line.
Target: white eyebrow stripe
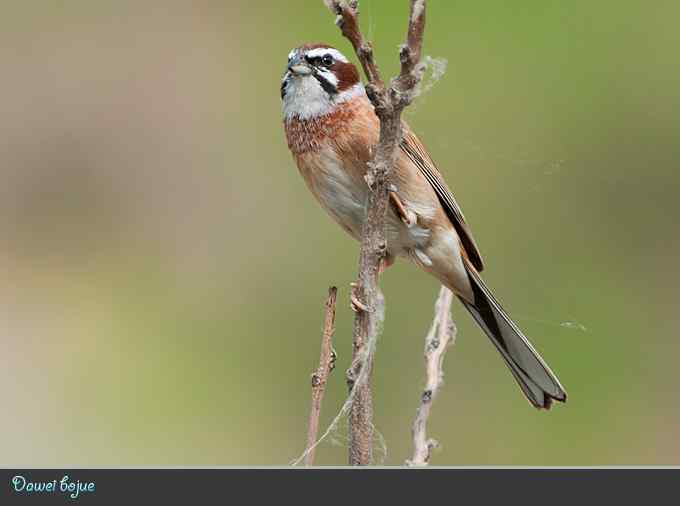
[(329, 76), (323, 51)]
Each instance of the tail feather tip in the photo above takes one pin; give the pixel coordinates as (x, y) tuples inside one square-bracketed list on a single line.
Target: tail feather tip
[(548, 400)]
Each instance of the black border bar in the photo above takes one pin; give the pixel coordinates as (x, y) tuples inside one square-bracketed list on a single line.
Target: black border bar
[(321, 486)]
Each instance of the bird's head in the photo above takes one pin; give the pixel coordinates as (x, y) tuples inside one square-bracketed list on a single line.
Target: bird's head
[(317, 79)]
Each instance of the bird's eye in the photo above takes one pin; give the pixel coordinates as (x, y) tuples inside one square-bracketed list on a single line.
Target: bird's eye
[(327, 60)]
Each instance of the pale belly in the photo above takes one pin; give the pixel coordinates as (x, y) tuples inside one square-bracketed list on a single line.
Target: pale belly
[(344, 194), (344, 198)]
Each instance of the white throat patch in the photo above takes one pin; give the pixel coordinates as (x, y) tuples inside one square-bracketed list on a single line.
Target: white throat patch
[(306, 99)]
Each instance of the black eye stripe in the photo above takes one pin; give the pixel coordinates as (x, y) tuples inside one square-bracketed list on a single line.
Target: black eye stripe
[(326, 60)]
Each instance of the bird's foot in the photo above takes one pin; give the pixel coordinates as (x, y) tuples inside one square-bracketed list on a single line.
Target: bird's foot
[(354, 302), (407, 216)]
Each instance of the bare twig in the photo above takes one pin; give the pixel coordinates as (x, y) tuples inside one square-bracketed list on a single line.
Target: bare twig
[(441, 334), (359, 382), (320, 376), (389, 104), (347, 405)]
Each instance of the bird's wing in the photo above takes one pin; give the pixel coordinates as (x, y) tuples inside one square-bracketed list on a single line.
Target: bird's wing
[(416, 152)]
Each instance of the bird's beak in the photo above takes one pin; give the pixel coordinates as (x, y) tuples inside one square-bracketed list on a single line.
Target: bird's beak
[(299, 67)]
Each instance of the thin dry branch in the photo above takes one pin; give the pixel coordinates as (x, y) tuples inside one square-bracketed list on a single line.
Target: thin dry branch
[(320, 376), (441, 334), (389, 104)]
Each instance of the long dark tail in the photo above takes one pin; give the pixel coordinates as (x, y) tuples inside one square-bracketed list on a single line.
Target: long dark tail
[(535, 378)]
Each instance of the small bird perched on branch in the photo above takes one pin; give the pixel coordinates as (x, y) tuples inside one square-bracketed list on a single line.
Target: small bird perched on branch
[(331, 128)]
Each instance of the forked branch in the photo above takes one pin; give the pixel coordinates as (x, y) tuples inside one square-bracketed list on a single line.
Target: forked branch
[(389, 102)]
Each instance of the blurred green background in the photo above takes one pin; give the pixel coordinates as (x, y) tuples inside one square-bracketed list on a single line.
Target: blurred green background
[(164, 267)]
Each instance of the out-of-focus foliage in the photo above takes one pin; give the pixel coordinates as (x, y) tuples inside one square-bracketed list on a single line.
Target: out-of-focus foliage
[(164, 267)]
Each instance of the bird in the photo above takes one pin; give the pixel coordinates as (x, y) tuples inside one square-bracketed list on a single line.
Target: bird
[(331, 129)]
